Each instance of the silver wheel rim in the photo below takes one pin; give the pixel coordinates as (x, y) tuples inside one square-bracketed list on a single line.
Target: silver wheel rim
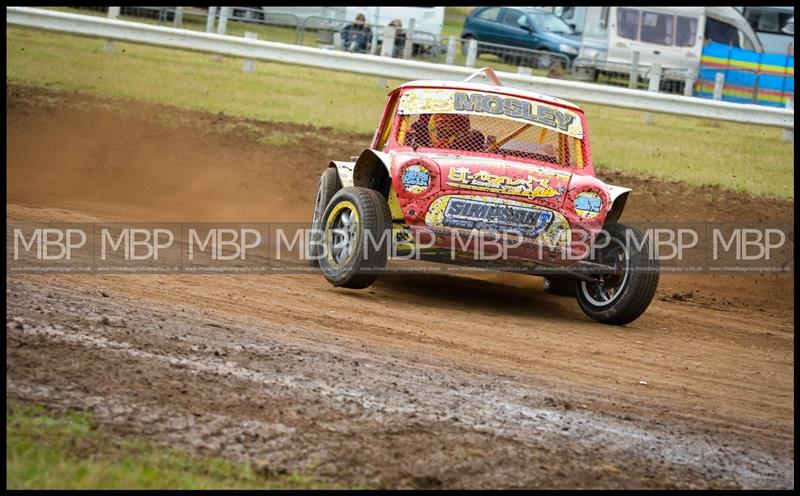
[(343, 234), (609, 286)]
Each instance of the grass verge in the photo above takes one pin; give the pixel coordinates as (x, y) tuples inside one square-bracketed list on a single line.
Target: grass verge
[(740, 157), (46, 450)]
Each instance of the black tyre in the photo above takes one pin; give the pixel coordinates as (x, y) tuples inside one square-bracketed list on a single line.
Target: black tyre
[(357, 237), (560, 286), (329, 184), (623, 296)]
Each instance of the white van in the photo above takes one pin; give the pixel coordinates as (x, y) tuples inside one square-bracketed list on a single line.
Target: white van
[(670, 36), (774, 27)]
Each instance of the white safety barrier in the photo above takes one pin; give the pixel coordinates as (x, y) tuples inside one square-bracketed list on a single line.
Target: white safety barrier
[(385, 67)]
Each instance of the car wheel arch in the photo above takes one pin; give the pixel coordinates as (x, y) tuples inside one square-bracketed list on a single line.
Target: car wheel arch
[(617, 206), (372, 170)]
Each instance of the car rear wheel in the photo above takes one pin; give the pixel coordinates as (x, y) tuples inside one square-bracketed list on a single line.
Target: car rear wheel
[(329, 184), (622, 296), (357, 237)]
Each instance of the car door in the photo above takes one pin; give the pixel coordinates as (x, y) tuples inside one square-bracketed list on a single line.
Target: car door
[(515, 29), (484, 24)]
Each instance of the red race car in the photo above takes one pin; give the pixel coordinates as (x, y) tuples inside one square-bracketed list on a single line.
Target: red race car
[(482, 174)]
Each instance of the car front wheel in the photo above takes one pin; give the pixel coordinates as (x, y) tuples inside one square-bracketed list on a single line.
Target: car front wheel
[(357, 237)]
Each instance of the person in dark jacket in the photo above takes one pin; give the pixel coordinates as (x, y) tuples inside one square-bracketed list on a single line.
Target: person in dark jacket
[(399, 37), (356, 37)]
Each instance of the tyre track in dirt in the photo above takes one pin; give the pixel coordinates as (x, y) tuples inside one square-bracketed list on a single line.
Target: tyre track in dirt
[(419, 381)]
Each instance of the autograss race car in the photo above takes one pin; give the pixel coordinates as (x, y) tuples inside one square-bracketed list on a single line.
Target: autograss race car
[(456, 167)]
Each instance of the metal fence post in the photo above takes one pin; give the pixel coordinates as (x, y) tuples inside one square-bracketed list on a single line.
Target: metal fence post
[(472, 52), (719, 84), (373, 45), (212, 17), (527, 71), (788, 134), (653, 85), (408, 49), (387, 50), (178, 17), (223, 20), (249, 65), (633, 81), (755, 88), (688, 85), (113, 13), (451, 50)]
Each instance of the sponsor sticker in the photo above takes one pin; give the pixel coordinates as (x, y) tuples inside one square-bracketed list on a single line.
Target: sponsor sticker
[(531, 187), (416, 179), (427, 100), (587, 204)]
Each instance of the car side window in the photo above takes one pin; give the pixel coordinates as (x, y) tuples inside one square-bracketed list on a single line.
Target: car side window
[(628, 23), (515, 18), (490, 14)]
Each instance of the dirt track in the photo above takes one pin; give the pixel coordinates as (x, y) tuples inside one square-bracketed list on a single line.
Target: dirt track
[(419, 381)]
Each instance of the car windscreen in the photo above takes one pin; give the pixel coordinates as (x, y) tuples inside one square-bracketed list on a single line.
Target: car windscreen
[(550, 23), (506, 138)]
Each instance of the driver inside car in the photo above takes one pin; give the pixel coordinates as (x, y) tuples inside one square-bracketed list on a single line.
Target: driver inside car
[(447, 131), (453, 132)]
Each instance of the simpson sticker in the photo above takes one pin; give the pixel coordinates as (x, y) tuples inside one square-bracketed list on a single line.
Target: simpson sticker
[(587, 204), (496, 214), (427, 101), (532, 187), (416, 179)]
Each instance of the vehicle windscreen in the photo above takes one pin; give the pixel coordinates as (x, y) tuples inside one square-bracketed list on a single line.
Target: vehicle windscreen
[(551, 23), (450, 132)]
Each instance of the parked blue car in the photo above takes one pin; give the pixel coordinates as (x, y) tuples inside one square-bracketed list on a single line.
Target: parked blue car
[(521, 27)]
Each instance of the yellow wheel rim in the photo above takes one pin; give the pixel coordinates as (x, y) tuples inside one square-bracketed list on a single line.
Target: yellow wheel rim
[(342, 234)]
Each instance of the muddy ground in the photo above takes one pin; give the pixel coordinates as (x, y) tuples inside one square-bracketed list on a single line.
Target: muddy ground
[(420, 380)]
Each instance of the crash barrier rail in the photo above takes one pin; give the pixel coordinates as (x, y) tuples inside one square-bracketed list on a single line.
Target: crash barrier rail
[(518, 56), (385, 67), (634, 75), (424, 45)]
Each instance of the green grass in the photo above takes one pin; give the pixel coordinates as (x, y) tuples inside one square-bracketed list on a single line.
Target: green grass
[(193, 22), (747, 158), (69, 451), (453, 21)]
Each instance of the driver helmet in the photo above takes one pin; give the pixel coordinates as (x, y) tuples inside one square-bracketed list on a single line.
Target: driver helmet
[(444, 129)]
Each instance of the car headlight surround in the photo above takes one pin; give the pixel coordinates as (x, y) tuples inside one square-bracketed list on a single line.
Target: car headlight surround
[(568, 49)]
